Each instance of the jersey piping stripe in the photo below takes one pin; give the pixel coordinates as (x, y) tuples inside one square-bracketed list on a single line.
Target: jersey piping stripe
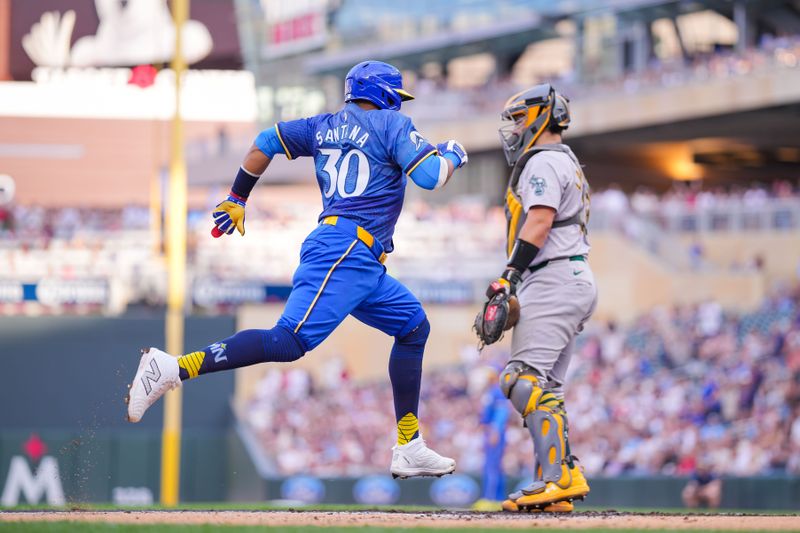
[(286, 150), (324, 283), (516, 210), (421, 159)]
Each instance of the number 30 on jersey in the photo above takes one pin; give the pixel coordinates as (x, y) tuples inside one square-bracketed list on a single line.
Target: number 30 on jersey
[(336, 179)]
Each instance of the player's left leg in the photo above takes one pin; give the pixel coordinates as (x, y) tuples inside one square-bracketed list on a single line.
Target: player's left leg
[(159, 371), (557, 477), (334, 276), (394, 310), (510, 504)]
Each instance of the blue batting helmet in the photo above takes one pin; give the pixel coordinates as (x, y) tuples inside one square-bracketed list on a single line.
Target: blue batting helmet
[(376, 82)]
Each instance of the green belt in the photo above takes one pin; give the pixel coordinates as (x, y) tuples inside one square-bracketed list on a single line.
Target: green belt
[(542, 265)]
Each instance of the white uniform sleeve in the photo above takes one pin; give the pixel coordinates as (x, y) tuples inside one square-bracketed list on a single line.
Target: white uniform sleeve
[(539, 184)]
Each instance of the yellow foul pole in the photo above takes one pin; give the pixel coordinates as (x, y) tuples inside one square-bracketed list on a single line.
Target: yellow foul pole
[(155, 209), (176, 268)]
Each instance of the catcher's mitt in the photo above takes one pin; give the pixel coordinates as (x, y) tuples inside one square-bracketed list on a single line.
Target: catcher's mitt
[(499, 314)]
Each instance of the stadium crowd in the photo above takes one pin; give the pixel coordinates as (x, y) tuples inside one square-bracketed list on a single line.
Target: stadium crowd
[(685, 205), (439, 102), (721, 62), (118, 245), (34, 227), (675, 387), (38, 225)]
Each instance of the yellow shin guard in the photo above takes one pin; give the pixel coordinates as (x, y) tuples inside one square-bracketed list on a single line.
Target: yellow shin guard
[(557, 478)]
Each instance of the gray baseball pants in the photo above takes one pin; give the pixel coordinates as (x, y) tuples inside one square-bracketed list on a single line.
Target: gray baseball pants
[(556, 301)]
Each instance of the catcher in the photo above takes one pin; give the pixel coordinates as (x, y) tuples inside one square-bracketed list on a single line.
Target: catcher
[(547, 289)]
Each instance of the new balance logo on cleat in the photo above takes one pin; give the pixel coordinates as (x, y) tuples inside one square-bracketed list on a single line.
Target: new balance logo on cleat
[(154, 374), (157, 373)]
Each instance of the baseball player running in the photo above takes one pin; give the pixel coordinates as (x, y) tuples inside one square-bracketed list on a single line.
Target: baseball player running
[(363, 154), (548, 282)]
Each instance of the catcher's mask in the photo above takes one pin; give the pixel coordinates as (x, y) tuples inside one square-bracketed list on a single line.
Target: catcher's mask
[(530, 113)]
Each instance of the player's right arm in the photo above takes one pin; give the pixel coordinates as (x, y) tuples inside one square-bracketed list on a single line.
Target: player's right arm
[(541, 196), (434, 172), (430, 167), (288, 138)]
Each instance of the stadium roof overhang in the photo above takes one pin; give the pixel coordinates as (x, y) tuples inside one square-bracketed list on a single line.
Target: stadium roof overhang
[(509, 37), (735, 127), (754, 145)]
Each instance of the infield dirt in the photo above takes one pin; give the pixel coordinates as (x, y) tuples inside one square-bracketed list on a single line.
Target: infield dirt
[(439, 519)]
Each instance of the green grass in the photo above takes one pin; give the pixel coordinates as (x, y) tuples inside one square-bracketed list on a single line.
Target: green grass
[(83, 527)]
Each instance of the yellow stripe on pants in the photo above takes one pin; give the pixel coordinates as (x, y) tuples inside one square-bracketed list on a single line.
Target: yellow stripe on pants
[(324, 282)]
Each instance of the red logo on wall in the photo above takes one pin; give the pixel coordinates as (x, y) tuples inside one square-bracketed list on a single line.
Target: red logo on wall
[(143, 76), (34, 448)]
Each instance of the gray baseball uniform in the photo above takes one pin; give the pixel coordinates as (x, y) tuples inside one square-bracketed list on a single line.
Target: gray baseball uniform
[(559, 295)]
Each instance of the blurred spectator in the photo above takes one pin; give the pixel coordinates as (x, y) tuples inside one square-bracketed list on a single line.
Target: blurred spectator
[(494, 420), (612, 342), (696, 255), (615, 204), (710, 318), (704, 489), (5, 218)]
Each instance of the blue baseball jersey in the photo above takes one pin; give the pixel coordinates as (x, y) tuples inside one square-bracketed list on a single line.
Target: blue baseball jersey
[(362, 158)]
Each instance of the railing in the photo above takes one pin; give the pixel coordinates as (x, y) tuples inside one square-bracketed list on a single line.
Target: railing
[(107, 269), (775, 214)]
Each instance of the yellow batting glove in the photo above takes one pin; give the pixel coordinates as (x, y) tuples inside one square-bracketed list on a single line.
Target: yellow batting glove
[(228, 215)]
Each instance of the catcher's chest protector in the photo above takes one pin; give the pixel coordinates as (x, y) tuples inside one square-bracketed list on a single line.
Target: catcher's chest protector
[(515, 214)]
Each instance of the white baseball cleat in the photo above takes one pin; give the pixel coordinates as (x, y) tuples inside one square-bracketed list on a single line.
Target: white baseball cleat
[(158, 372), (416, 459)]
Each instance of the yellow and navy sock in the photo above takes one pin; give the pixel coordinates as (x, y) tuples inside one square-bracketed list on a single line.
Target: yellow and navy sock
[(405, 373), (407, 428), (190, 364), (246, 348)]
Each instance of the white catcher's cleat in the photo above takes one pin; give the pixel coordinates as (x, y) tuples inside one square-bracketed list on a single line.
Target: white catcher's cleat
[(416, 459), (158, 372)]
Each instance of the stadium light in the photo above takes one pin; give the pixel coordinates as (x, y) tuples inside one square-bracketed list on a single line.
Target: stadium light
[(176, 272)]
